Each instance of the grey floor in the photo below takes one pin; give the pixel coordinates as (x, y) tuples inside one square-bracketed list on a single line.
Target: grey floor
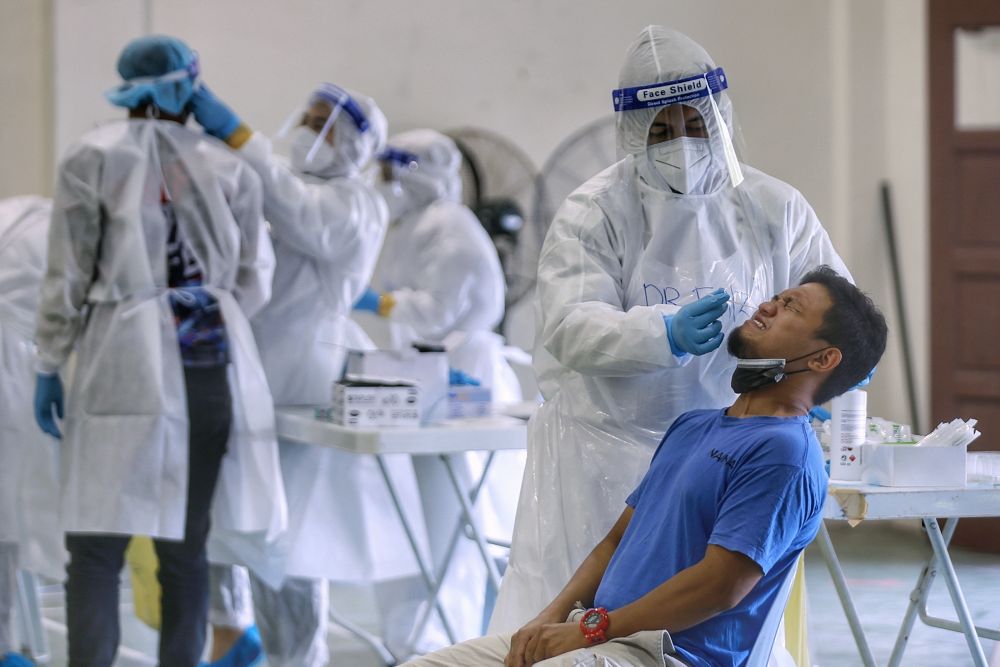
[(881, 562)]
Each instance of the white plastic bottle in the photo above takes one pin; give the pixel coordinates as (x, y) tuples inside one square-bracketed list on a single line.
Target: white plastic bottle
[(847, 429)]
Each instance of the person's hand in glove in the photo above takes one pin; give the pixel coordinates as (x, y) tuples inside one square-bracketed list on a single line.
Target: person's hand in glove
[(217, 118), (457, 377), (373, 302), (48, 399), (695, 328)]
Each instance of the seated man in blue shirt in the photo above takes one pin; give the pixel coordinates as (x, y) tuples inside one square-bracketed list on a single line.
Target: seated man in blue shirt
[(690, 570)]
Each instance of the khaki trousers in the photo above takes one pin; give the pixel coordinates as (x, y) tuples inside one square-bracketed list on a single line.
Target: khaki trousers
[(650, 648)]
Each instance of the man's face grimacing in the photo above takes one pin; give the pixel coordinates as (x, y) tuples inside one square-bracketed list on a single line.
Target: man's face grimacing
[(676, 120), (784, 327)]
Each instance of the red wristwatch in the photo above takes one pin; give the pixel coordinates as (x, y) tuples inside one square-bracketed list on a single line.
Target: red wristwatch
[(593, 623)]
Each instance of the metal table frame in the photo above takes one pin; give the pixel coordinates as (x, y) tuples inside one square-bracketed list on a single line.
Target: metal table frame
[(449, 442), (857, 502)]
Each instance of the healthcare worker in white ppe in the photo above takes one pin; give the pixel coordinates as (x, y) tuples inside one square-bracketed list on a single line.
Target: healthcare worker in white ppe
[(439, 280), (643, 271), (30, 537), (158, 253), (328, 224)]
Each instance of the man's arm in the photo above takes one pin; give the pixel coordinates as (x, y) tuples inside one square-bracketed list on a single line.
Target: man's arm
[(717, 583), (582, 587)]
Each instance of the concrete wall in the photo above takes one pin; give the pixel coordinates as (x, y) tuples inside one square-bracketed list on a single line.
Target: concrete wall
[(25, 97)]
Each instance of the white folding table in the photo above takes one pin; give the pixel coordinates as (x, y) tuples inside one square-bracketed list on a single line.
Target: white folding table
[(446, 440), (855, 502)]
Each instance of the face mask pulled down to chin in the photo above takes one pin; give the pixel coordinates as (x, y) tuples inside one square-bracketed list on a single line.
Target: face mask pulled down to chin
[(682, 163), (753, 374)]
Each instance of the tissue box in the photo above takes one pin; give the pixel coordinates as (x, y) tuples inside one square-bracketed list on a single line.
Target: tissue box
[(429, 369), (909, 465), (371, 403), (468, 401)]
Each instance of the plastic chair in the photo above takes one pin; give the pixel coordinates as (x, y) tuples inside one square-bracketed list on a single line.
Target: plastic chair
[(760, 655)]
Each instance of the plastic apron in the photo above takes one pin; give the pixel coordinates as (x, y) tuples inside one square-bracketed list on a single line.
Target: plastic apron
[(582, 462), (125, 437), (29, 488)]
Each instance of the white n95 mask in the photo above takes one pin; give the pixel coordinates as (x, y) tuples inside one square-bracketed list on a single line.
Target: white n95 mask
[(682, 162), (323, 161)]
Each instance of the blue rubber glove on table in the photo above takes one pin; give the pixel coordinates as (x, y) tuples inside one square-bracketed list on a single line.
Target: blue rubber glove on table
[(695, 328), (48, 399)]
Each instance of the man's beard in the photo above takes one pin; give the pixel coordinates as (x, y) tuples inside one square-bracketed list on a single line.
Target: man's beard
[(738, 346)]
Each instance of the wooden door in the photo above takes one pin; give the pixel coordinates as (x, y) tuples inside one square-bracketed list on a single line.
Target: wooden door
[(965, 227)]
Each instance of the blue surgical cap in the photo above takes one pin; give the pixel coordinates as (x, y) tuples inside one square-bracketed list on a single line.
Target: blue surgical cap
[(158, 70)]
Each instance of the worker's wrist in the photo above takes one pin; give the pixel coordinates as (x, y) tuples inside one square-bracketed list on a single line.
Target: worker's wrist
[(239, 136), (386, 302)]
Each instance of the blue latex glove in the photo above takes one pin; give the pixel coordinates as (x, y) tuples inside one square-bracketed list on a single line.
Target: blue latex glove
[(819, 413), (48, 397), (368, 301), (212, 113), (695, 328), (457, 377), (15, 660)]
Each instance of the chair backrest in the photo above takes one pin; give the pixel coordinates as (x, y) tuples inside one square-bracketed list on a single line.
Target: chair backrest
[(761, 652)]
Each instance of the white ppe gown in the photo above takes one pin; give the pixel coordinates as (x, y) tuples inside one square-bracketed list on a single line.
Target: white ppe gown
[(30, 538), (443, 271), (327, 235), (618, 257), (105, 297), (623, 251)]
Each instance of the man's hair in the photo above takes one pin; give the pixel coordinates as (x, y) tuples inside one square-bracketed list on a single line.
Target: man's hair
[(852, 324)]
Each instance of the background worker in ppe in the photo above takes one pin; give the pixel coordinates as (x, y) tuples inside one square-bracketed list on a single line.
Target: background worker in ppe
[(30, 537), (327, 224), (439, 280), (157, 255), (644, 269)]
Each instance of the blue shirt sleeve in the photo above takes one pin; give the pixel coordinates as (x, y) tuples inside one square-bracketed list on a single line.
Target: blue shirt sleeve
[(763, 512)]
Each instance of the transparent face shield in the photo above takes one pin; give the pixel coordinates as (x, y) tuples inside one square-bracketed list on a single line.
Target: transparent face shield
[(680, 126), (339, 101), (395, 163)]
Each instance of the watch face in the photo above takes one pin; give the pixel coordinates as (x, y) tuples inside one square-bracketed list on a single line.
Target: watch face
[(592, 619)]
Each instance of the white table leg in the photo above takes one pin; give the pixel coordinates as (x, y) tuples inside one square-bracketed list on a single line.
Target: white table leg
[(376, 643), (425, 570), (470, 520), (450, 551), (957, 596), (32, 630), (840, 584)]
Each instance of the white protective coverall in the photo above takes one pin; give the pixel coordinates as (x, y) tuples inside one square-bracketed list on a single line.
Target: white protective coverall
[(124, 450), (327, 230), (441, 268), (623, 251), (30, 537)]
